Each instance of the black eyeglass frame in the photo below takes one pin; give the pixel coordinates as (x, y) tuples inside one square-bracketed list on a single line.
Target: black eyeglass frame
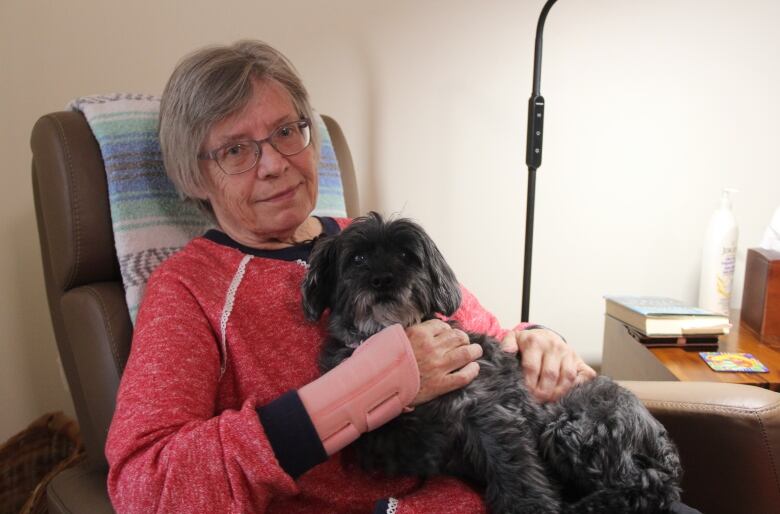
[(258, 143)]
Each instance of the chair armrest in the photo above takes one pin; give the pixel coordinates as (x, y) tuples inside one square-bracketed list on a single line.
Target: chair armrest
[(729, 441), (728, 436), (79, 489)]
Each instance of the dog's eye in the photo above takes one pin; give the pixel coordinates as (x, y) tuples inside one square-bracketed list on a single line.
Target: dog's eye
[(409, 257), (358, 259)]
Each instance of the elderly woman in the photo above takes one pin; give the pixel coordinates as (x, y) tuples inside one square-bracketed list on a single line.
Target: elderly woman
[(221, 407)]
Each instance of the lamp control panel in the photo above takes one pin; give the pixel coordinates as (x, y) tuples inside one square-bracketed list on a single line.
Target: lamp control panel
[(533, 148)]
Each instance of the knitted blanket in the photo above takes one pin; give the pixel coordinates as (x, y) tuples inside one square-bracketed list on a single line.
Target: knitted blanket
[(149, 219)]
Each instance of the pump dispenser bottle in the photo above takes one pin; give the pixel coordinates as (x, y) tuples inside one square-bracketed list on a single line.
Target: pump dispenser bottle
[(719, 257)]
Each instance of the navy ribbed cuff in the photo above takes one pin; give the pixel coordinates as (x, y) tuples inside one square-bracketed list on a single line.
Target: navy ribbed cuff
[(292, 434)]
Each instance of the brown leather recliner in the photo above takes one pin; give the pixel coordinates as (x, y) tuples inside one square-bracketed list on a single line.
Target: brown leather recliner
[(729, 435)]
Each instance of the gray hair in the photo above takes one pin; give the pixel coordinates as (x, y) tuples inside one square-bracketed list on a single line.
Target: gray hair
[(206, 87)]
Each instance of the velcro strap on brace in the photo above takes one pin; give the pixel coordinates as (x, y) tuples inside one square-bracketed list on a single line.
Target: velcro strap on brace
[(365, 391)]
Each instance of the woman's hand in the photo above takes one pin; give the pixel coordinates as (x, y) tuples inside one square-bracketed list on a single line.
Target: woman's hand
[(444, 357), (550, 366)]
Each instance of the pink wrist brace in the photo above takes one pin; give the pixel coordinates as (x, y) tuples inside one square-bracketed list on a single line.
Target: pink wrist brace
[(363, 392)]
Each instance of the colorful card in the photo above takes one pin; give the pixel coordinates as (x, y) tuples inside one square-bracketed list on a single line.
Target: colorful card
[(737, 362)]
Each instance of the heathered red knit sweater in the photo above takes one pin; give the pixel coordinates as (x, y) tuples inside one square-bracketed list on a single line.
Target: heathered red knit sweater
[(220, 334)]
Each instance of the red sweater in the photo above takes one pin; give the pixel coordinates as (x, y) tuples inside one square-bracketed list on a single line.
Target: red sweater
[(186, 435)]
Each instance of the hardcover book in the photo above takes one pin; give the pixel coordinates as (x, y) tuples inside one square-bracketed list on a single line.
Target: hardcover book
[(696, 342), (661, 316)]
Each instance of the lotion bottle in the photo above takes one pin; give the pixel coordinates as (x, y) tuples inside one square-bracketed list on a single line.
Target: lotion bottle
[(718, 257)]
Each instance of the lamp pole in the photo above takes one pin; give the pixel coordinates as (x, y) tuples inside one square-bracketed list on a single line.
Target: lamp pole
[(533, 156)]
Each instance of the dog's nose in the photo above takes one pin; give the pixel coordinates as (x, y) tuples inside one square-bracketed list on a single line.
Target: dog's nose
[(382, 280)]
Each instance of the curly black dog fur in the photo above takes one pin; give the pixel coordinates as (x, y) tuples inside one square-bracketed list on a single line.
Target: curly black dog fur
[(596, 450)]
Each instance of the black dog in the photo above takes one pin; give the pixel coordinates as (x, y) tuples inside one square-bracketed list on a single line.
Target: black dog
[(596, 450)]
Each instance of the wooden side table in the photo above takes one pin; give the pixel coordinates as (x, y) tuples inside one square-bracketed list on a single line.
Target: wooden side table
[(625, 358)]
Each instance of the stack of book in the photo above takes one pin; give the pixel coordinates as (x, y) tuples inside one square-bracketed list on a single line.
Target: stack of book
[(657, 321)]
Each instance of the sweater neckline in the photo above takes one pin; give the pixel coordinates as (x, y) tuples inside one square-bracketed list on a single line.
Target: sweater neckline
[(292, 253)]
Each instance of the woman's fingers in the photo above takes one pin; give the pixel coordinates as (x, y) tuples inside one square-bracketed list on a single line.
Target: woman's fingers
[(566, 377), (445, 358), (458, 379), (550, 366), (509, 342)]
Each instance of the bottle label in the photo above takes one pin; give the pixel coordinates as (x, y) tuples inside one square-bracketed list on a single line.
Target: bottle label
[(725, 278)]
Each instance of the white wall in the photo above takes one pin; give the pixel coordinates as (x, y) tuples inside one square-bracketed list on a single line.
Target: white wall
[(652, 107)]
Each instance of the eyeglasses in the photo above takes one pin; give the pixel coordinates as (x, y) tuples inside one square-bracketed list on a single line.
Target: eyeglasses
[(241, 156)]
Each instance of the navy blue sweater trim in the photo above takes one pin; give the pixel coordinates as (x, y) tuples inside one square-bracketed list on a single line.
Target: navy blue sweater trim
[(381, 507), (292, 435), (293, 253)]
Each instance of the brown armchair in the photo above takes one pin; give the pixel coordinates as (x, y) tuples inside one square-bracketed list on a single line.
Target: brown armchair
[(729, 436)]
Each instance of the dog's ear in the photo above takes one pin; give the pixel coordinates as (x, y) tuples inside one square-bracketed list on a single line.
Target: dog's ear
[(446, 295), (320, 280)]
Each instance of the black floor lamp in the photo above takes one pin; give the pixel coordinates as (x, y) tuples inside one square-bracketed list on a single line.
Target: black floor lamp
[(533, 156)]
